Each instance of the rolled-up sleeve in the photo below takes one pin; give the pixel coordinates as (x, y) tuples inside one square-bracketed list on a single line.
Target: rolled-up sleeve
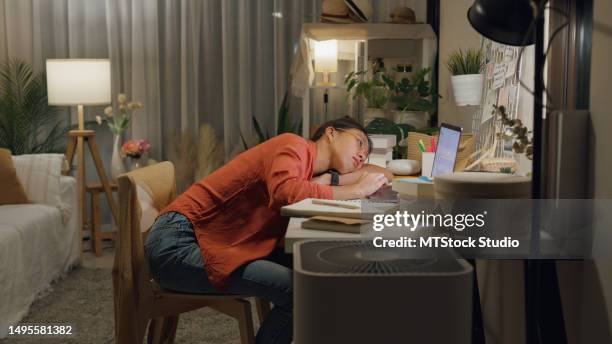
[(287, 180)]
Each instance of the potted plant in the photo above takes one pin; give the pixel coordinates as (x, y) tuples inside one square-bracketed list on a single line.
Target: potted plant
[(135, 149), (28, 124), (412, 98), (467, 79), (372, 91), (382, 125), (117, 122)]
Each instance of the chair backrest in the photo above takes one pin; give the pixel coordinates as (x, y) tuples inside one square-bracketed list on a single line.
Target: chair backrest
[(131, 281)]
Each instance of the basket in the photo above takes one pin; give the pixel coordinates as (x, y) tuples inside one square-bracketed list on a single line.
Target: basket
[(497, 164)]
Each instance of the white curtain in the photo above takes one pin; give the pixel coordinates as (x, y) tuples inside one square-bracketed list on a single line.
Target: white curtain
[(190, 62)]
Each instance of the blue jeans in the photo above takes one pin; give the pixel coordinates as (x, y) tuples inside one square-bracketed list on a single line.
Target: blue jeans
[(176, 263)]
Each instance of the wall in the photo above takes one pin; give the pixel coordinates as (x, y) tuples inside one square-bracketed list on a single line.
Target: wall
[(455, 32), (586, 286)]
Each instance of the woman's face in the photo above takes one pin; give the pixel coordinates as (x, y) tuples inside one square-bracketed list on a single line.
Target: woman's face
[(349, 149)]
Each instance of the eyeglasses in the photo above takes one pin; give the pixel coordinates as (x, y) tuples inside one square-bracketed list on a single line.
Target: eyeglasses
[(363, 145)]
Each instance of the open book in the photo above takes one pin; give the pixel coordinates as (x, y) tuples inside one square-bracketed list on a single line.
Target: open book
[(356, 209)]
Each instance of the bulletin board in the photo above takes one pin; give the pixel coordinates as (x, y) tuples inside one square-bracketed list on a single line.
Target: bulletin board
[(501, 87)]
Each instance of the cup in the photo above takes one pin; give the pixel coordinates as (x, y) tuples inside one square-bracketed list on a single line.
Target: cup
[(427, 160)]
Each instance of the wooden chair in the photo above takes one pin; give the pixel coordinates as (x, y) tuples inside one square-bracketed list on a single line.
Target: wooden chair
[(138, 299)]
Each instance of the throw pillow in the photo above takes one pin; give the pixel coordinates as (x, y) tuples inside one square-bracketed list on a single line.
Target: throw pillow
[(12, 190), (40, 176)]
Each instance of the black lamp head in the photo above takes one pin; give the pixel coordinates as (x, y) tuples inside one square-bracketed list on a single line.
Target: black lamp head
[(503, 21)]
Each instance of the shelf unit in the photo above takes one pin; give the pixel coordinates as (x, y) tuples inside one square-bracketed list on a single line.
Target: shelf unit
[(358, 44)]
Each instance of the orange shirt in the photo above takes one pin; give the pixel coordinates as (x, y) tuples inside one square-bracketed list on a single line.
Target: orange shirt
[(235, 211)]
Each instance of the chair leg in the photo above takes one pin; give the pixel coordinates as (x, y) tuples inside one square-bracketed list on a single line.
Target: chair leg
[(154, 335), (263, 308), (239, 309), (170, 325), (245, 323), (162, 330), (130, 334)]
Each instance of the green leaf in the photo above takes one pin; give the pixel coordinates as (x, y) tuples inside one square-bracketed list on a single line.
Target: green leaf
[(244, 144), (27, 123), (258, 130), (470, 61)]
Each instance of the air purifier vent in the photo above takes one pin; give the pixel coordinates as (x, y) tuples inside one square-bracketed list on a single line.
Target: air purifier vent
[(353, 257)]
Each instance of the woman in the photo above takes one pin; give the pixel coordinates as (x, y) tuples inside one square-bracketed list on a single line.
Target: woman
[(221, 235)]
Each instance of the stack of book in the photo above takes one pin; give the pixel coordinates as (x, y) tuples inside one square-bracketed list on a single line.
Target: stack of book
[(414, 187), (382, 149)]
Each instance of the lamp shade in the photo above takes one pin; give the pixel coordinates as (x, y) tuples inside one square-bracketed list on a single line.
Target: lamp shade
[(78, 81), (326, 56), (503, 21)]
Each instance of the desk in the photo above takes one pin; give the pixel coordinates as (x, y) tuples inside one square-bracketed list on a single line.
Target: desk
[(295, 232)]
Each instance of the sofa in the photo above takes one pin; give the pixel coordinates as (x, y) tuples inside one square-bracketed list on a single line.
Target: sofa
[(39, 241)]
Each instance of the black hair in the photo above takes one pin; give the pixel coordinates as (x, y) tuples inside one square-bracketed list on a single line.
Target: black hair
[(343, 123)]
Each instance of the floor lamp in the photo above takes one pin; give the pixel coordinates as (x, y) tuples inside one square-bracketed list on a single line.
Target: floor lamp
[(326, 62), (82, 82)]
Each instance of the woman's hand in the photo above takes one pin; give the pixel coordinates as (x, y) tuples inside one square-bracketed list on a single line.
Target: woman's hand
[(369, 183), (323, 179)]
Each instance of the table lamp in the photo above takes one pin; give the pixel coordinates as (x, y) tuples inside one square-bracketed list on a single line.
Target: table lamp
[(81, 82), (78, 82), (326, 59)]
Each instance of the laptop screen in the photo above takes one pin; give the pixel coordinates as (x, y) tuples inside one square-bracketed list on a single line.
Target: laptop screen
[(446, 153)]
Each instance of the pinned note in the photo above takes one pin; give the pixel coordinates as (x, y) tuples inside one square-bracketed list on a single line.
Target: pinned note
[(499, 75)]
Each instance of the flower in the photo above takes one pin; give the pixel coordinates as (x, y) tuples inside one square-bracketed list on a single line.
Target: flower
[(134, 105), (135, 148), (145, 145), (119, 120)]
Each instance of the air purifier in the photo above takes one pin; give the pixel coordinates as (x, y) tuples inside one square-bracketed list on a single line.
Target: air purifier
[(353, 292)]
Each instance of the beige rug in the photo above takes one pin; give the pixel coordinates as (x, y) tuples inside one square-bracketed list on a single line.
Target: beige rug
[(85, 300)]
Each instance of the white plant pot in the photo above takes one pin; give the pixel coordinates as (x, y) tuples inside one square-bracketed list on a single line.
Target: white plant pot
[(417, 119), (370, 113), (467, 89)]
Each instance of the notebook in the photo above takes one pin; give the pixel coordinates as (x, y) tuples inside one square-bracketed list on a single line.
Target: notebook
[(362, 209), (336, 224)]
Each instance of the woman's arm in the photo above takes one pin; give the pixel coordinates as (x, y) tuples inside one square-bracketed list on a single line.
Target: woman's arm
[(353, 177)]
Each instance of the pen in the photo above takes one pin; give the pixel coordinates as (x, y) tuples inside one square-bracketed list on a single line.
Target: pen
[(422, 146)]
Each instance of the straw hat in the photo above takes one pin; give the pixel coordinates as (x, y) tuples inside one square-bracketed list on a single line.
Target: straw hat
[(403, 15), (335, 11), (361, 10)]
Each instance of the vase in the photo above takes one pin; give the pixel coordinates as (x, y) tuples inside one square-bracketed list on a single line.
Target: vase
[(467, 89), (117, 166), (136, 163)]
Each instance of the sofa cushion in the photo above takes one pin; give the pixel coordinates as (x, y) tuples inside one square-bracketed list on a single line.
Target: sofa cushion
[(40, 176), (12, 190)]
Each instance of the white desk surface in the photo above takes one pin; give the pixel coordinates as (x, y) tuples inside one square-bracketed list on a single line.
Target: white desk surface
[(295, 233)]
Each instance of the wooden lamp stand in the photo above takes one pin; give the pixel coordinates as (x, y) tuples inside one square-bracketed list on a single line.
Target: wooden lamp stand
[(77, 140)]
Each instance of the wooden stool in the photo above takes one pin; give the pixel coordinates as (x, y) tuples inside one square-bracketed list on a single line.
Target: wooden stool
[(95, 220)]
